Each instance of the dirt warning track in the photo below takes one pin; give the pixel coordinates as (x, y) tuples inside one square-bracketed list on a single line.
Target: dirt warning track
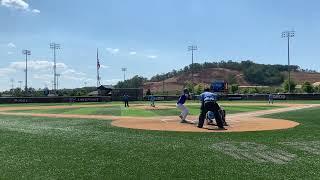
[(240, 122)]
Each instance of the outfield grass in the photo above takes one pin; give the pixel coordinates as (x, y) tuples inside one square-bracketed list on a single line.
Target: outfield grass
[(159, 102), (118, 110), (49, 148)]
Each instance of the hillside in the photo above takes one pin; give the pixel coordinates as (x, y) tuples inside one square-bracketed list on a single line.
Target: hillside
[(206, 76)]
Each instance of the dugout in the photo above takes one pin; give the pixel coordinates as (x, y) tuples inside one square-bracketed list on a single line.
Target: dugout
[(134, 94)]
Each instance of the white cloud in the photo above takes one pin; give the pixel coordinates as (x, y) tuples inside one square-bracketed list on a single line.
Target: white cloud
[(11, 45), (36, 11), (133, 53), (37, 65), (104, 66), (19, 4), (6, 71), (111, 81), (152, 57), (41, 69), (113, 51), (72, 74), (46, 77)]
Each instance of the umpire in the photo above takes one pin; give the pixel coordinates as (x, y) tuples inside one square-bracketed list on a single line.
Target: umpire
[(208, 103)]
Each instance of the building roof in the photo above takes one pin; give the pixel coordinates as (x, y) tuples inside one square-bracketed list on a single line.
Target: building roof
[(105, 87)]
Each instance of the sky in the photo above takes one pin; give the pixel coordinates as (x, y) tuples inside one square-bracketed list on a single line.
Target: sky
[(148, 37)]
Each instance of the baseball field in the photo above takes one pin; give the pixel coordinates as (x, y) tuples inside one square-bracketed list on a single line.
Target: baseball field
[(109, 141)]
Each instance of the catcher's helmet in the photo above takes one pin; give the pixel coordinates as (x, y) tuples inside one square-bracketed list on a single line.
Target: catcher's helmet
[(210, 115)]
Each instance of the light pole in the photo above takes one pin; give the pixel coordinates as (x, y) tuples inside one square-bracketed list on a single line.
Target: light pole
[(26, 53), (20, 84), (54, 47), (58, 75), (288, 35), (124, 73), (192, 48), (12, 85)]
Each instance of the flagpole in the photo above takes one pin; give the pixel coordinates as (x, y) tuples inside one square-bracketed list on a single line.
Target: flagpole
[(98, 67)]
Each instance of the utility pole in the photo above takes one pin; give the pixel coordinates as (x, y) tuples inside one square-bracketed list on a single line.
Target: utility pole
[(124, 73), (192, 48), (26, 53), (54, 47), (288, 35)]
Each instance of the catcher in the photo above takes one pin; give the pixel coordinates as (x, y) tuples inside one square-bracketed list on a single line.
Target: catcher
[(210, 117), (208, 103)]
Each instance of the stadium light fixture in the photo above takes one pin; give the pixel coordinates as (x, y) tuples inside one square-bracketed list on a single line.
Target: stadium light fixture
[(288, 35), (54, 47), (26, 53), (124, 73), (192, 48)]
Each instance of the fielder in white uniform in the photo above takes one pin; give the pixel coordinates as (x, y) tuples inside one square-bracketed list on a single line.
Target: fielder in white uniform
[(180, 105)]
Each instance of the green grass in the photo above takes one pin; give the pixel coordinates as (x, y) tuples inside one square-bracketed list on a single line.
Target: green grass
[(159, 102), (121, 111), (49, 148)]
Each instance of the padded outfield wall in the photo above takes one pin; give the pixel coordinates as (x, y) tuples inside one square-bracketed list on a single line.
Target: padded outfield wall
[(12, 100), (136, 95)]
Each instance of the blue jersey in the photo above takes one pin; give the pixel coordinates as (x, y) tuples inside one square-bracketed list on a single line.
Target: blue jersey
[(152, 98), (126, 98), (208, 96), (182, 99), (270, 96)]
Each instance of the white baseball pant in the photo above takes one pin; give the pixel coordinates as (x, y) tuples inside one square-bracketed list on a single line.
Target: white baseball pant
[(184, 111)]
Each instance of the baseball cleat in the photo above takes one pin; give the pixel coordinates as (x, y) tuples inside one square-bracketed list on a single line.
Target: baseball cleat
[(184, 121)]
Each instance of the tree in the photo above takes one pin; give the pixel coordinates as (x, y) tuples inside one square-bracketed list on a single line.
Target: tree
[(286, 86), (234, 88), (189, 86), (199, 88), (317, 89), (307, 87), (135, 82), (17, 92)]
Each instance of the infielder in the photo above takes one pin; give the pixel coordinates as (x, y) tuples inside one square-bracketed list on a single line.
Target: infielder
[(152, 100), (180, 105)]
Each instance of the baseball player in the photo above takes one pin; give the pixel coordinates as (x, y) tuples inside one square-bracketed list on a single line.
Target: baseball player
[(210, 117), (180, 105), (152, 99), (270, 98), (126, 100), (208, 103)]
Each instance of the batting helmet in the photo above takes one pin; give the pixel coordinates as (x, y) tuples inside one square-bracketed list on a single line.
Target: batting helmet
[(185, 91)]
